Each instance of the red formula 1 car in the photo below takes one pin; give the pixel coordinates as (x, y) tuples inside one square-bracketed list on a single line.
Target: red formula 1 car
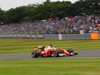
[(51, 51)]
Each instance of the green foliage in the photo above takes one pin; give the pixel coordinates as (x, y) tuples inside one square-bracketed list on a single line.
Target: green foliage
[(17, 15), (3, 16), (50, 10), (93, 1), (25, 19)]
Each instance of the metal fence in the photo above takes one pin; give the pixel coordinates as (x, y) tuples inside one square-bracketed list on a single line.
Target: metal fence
[(23, 35), (67, 36), (47, 36)]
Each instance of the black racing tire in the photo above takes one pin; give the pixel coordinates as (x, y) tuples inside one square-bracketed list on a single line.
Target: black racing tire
[(35, 54), (56, 53), (70, 50), (42, 56)]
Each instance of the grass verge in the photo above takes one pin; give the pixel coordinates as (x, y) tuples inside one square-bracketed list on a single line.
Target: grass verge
[(10, 46), (58, 66)]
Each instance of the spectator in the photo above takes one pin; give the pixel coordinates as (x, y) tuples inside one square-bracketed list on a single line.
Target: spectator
[(66, 25)]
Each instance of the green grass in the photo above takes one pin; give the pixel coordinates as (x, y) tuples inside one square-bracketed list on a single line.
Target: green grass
[(9, 46), (57, 66), (52, 66)]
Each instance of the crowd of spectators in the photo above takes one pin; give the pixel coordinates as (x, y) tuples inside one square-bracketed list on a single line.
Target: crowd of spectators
[(66, 25)]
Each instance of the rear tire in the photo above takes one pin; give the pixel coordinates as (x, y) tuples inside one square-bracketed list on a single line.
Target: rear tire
[(34, 54), (56, 53)]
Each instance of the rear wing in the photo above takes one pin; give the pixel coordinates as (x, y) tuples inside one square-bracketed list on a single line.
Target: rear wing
[(38, 47)]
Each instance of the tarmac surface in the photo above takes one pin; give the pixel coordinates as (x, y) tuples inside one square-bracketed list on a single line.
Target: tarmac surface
[(26, 56)]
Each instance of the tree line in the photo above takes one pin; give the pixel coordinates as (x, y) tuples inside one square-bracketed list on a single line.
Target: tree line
[(50, 10)]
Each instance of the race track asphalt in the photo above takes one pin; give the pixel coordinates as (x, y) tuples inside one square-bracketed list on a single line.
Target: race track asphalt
[(26, 56)]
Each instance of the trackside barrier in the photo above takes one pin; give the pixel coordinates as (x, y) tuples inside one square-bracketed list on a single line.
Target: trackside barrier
[(94, 35), (53, 36), (22, 36), (67, 36)]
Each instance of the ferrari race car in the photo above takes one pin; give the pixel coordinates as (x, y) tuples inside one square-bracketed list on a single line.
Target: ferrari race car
[(51, 51)]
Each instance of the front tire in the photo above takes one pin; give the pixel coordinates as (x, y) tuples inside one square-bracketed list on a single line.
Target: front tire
[(34, 54), (70, 50)]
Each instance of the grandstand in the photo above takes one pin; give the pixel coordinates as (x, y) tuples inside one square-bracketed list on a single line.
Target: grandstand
[(66, 25)]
